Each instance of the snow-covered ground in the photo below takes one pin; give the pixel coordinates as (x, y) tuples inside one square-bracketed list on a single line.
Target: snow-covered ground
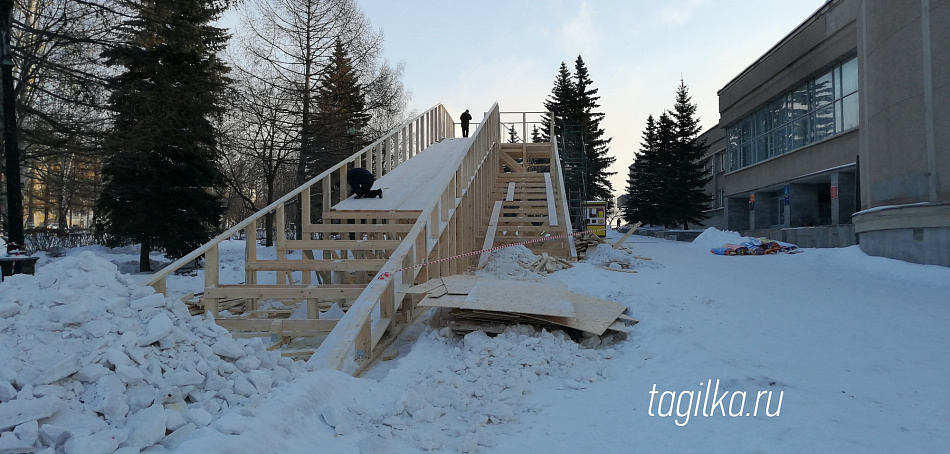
[(828, 350)]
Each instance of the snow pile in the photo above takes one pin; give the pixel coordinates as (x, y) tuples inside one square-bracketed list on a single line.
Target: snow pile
[(461, 394), (713, 238), (606, 255), (506, 263), (90, 362)]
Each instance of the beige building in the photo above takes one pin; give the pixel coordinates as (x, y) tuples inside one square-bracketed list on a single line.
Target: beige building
[(840, 134)]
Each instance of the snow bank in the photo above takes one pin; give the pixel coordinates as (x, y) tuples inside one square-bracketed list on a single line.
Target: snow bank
[(91, 362), (713, 238)]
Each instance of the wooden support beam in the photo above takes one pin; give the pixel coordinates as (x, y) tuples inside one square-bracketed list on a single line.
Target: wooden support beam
[(344, 244), (552, 205), (511, 191), (350, 292), (511, 163), (317, 265), (489, 236)]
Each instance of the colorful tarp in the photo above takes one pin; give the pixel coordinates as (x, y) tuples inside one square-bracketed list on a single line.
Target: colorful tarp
[(755, 246)]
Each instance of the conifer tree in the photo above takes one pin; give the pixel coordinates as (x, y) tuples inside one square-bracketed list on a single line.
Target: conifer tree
[(642, 186), (341, 111), (161, 173), (560, 104), (689, 198), (513, 136), (596, 145)]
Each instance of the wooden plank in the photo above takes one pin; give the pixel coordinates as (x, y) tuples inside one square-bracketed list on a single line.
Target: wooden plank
[(286, 326), (459, 284), (425, 287), (411, 215), (317, 265), (619, 244), (489, 236), (357, 228), (522, 297), (511, 191), (379, 329), (351, 245), (510, 162), (450, 301), (552, 206), (617, 269), (285, 292)]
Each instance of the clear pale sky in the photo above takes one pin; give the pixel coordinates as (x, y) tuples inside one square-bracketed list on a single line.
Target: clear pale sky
[(468, 55)]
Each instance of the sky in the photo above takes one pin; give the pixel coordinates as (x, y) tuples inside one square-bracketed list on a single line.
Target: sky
[(826, 350), (469, 55)]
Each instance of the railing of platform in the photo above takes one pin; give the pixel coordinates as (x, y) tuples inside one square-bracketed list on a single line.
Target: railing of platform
[(383, 155), (446, 227)]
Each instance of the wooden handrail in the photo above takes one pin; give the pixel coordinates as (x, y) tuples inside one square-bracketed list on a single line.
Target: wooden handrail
[(436, 123)]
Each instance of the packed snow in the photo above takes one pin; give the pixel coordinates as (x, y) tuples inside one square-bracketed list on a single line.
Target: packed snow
[(829, 350)]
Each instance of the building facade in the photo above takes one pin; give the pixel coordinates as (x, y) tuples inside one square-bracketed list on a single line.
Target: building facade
[(840, 133)]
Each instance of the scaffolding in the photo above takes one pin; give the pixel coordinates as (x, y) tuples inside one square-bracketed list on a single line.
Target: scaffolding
[(573, 148)]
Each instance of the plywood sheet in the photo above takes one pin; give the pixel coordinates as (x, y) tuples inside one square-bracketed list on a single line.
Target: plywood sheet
[(425, 287), (523, 297), (451, 301), (460, 284), (592, 315)]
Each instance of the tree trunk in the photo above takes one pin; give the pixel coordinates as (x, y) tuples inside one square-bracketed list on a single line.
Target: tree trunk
[(144, 264)]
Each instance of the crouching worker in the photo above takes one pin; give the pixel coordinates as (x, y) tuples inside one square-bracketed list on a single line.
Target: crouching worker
[(361, 183)]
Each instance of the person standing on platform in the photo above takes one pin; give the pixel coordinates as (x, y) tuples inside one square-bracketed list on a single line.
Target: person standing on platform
[(466, 118)]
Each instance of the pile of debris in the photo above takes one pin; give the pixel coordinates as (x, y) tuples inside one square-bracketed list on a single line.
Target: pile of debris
[(547, 264), (470, 303), (585, 241)]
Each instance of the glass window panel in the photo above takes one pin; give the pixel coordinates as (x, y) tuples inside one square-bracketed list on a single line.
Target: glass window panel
[(824, 122), (777, 112), (799, 132), (745, 130), (733, 159), (849, 112), (761, 122), (824, 93), (761, 148), (778, 142), (746, 154), (800, 101), (838, 117), (849, 77), (837, 77)]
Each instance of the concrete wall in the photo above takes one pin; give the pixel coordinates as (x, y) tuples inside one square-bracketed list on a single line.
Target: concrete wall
[(904, 72)]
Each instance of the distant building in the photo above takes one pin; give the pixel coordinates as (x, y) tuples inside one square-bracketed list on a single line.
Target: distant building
[(841, 133)]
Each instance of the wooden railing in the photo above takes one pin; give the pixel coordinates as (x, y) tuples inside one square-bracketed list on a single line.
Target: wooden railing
[(448, 226), (382, 155)]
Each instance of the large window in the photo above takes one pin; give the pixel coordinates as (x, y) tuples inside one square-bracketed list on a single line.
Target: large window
[(819, 108)]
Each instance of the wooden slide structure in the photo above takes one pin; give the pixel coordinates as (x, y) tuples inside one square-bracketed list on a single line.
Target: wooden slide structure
[(445, 199)]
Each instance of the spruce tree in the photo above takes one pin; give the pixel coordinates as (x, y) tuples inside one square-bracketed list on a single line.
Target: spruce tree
[(560, 104), (341, 115), (642, 186), (597, 147), (161, 173), (513, 136), (689, 195)]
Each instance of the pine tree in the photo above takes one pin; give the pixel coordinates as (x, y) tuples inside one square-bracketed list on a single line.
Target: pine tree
[(642, 186), (560, 104), (597, 147), (161, 172), (513, 135), (536, 135), (690, 198), (341, 111)]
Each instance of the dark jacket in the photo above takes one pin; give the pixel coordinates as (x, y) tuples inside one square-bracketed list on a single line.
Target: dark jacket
[(466, 117)]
